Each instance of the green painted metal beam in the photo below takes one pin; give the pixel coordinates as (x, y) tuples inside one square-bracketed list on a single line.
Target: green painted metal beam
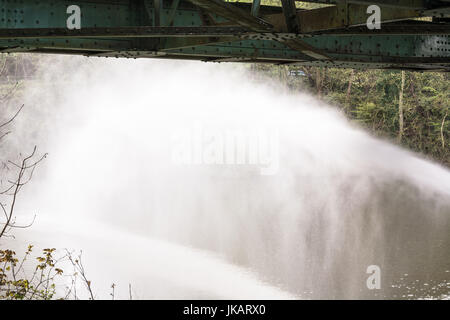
[(339, 16), (212, 30), (246, 19), (396, 28)]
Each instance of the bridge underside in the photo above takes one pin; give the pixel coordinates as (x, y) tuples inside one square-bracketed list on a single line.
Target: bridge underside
[(213, 30)]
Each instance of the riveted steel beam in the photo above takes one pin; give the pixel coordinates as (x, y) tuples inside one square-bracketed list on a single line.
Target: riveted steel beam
[(405, 4), (124, 32), (188, 42), (254, 49), (396, 28), (385, 47), (306, 49), (213, 30), (339, 16)]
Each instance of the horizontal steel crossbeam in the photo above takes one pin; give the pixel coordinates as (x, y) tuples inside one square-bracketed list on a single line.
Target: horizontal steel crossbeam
[(214, 30)]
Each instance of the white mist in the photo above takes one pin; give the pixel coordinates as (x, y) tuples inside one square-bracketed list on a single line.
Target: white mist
[(338, 202)]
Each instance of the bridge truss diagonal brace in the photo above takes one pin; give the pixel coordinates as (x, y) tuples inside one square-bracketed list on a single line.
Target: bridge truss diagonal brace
[(241, 17), (233, 14), (290, 15)]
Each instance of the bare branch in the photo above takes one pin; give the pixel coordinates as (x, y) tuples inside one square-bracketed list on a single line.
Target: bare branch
[(16, 187), (12, 119)]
